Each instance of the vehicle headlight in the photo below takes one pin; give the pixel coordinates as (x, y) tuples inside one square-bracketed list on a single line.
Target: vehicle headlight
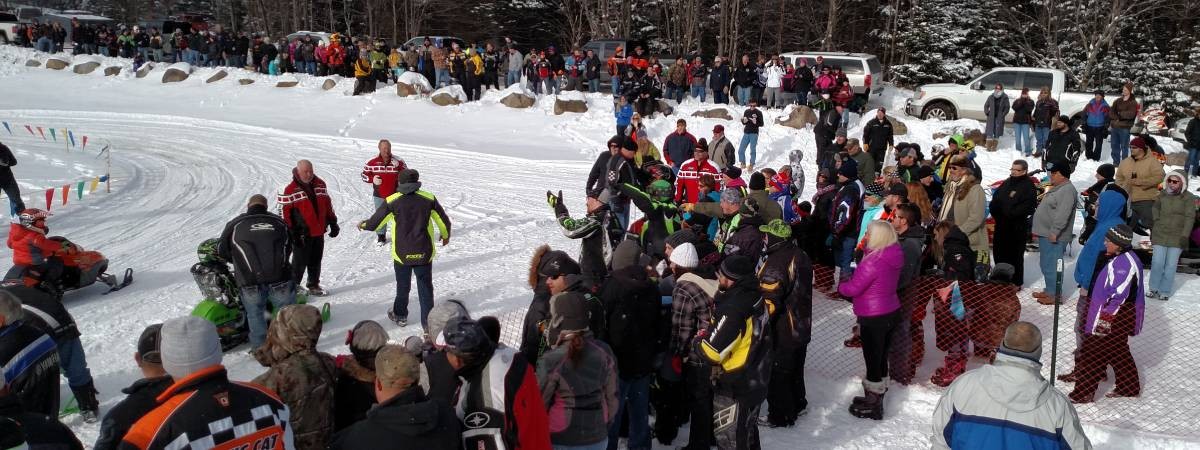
[(920, 95)]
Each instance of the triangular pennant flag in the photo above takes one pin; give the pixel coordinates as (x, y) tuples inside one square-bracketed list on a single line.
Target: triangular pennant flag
[(30, 130), (103, 178), (43, 133), (95, 182), (66, 193), (53, 135), (49, 198), (71, 135), (956, 304), (8, 128), (79, 190), (84, 143)]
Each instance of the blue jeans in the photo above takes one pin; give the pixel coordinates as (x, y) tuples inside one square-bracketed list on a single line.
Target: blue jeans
[(1048, 256), (73, 364), (404, 275), (310, 67), (634, 396), (620, 210), (44, 44), (550, 85), (1162, 269), (255, 298), (743, 95), (512, 77), (699, 93), (594, 85), (1119, 139), (443, 78), (1193, 161), (679, 93), (1041, 134), (719, 96), (602, 445), (616, 86), (1023, 144), (748, 139), (845, 255), (379, 202)]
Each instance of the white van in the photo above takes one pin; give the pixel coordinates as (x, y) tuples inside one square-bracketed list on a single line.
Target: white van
[(864, 70)]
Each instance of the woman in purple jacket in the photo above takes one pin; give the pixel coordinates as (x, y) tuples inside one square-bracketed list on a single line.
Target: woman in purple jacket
[(872, 288)]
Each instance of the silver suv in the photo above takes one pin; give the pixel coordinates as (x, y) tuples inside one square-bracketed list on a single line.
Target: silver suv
[(863, 70)]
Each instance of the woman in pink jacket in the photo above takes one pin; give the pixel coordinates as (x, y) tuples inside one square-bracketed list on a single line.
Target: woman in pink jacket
[(872, 288)]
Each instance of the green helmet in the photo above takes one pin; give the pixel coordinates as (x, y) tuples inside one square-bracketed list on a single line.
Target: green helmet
[(660, 190), (207, 251)]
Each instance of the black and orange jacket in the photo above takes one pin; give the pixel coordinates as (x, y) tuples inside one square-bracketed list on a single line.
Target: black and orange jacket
[(206, 410)]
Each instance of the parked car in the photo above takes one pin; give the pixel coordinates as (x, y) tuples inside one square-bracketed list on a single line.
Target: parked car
[(319, 36), (1177, 132), (863, 70), (8, 27), (446, 40), (949, 101)]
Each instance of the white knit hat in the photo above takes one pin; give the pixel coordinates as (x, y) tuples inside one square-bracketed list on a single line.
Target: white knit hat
[(685, 256), (189, 344)]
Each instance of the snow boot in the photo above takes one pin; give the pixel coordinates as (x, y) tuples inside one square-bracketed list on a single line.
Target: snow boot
[(953, 367), (871, 407), (89, 407), (863, 398), (316, 290), (401, 321)]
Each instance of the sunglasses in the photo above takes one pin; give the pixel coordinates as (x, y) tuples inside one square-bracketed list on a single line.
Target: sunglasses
[(1173, 181)]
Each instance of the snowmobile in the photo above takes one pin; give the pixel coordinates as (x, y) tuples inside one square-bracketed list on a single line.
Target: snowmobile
[(68, 269), (222, 303)]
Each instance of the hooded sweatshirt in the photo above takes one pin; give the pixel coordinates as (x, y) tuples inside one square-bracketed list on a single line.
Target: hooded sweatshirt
[(304, 378), (1108, 215), (1007, 401), (408, 420), (1174, 214)]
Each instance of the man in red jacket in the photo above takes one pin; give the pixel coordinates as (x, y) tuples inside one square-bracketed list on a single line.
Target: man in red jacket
[(381, 172), (306, 208), (691, 171)]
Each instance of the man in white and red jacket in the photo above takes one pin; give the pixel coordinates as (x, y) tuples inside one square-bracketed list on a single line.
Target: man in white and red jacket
[(305, 206), (381, 172), (688, 185)]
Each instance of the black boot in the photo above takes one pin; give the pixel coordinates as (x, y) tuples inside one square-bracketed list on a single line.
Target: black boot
[(89, 407), (871, 404)]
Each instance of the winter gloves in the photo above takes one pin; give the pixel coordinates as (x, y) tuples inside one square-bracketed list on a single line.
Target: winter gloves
[(334, 230)]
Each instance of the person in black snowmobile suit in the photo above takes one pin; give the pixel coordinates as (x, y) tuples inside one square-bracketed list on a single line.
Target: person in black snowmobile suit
[(785, 281), (662, 215), (592, 229)]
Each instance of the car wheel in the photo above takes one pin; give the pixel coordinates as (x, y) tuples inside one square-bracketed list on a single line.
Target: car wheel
[(940, 111)]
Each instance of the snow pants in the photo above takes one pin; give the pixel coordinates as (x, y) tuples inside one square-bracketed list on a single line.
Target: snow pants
[(786, 387), (735, 421), (1100, 352), (306, 256), (701, 403)]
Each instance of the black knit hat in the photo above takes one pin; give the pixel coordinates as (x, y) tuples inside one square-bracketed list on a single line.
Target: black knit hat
[(1108, 171), (557, 262), (736, 267), (408, 176), (924, 171), (1122, 235), (758, 181), (629, 144)]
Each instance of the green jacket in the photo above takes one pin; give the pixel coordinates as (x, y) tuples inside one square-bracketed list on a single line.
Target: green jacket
[(1174, 216)]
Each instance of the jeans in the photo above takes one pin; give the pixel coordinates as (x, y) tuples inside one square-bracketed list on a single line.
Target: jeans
[(678, 93), (255, 299), (552, 86), (620, 211), (379, 202), (1193, 161), (443, 78), (743, 95), (602, 445), (144, 52), (73, 364), (1048, 256), (158, 55), (748, 139), (1162, 269), (616, 86), (1041, 134), (698, 92), (404, 275), (512, 77), (844, 254), (594, 85), (720, 96), (44, 44), (1024, 145), (310, 67), (634, 397), (1119, 139)]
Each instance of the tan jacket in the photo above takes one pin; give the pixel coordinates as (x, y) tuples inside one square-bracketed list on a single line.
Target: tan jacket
[(968, 214), (1140, 178)]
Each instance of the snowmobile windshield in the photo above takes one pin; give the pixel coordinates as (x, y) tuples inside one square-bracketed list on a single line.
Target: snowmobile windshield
[(209, 282)]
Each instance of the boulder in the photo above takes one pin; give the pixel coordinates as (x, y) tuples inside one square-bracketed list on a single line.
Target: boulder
[(220, 75), (445, 99), (665, 108), (718, 113), (964, 131), (328, 84), (1177, 159), (518, 100), (975, 136), (33, 63), (85, 68), (57, 63), (112, 71), (898, 127), (405, 89), (245, 81), (566, 106), (800, 117), (177, 72), (287, 84), (144, 70), (417, 83)]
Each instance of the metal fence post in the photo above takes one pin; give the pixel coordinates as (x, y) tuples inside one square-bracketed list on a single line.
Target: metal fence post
[(1057, 305)]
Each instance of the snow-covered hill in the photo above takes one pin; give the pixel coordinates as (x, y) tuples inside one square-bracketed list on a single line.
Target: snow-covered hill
[(187, 156)]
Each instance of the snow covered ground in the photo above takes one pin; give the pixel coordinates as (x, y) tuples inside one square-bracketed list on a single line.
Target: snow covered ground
[(187, 155)]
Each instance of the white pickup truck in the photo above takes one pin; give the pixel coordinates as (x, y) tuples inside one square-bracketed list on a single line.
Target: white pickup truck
[(949, 101)]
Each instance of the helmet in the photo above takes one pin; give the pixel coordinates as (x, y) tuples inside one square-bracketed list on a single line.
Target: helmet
[(207, 251), (660, 190), (34, 218)]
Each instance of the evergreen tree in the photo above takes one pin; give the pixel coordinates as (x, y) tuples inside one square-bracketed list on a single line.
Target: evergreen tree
[(936, 43)]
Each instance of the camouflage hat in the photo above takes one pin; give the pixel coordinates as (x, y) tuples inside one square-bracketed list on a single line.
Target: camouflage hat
[(777, 228), (393, 363)]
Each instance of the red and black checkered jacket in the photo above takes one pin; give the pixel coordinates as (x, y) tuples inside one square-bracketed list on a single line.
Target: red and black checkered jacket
[(207, 411)]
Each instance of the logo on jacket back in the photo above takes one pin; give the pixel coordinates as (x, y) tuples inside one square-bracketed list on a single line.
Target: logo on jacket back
[(262, 227), (476, 419)]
